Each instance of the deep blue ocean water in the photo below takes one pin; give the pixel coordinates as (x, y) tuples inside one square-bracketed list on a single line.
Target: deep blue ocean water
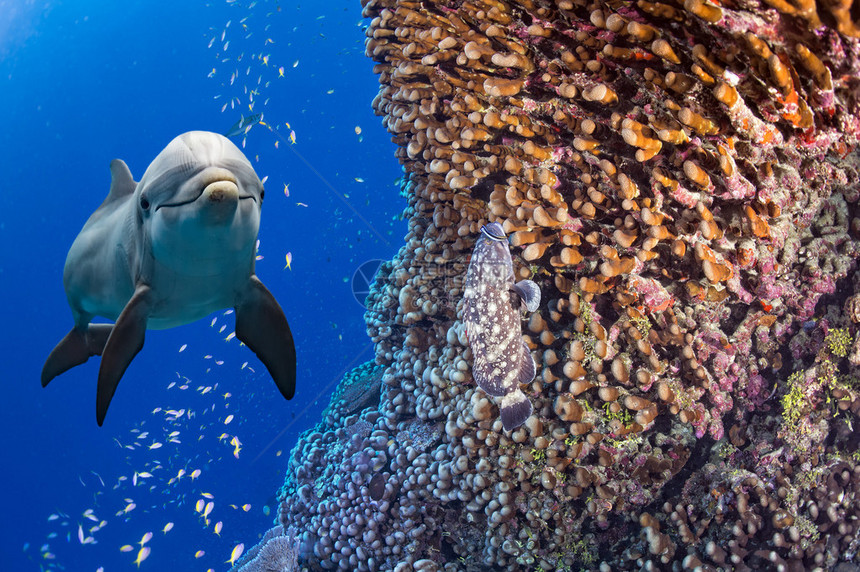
[(82, 83)]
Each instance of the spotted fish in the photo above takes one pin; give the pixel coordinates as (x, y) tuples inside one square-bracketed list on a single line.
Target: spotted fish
[(493, 312)]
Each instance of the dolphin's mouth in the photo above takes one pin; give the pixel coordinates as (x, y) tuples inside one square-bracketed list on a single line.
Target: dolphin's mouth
[(215, 191)]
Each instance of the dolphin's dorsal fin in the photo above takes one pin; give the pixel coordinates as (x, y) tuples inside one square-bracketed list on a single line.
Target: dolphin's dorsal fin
[(121, 182)]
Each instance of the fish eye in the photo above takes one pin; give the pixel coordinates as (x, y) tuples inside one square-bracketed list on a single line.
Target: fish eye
[(144, 203)]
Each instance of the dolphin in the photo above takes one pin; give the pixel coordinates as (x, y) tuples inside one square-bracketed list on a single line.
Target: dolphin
[(169, 250)]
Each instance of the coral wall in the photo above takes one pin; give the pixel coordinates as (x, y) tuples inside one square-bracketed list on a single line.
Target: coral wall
[(680, 179)]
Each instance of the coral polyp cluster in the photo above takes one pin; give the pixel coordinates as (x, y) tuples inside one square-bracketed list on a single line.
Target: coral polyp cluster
[(652, 161), (680, 180)]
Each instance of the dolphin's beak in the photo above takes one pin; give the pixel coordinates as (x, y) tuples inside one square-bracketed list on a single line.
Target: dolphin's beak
[(221, 191), (220, 199)]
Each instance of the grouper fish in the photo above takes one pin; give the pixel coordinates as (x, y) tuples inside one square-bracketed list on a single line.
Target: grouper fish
[(166, 251), (501, 360)]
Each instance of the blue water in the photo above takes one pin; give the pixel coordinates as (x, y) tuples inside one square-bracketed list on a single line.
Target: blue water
[(83, 83)]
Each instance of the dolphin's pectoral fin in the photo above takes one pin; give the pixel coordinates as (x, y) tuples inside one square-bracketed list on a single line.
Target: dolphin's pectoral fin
[(122, 345), (75, 349), (261, 325)]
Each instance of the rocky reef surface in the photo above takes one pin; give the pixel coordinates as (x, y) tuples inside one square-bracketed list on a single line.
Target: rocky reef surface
[(681, 180)]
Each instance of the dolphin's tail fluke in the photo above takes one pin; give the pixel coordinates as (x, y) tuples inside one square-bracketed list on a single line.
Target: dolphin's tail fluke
[(75, 349)]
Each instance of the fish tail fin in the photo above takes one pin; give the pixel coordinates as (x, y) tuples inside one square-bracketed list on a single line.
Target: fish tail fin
[(515, 409), (75, 349)]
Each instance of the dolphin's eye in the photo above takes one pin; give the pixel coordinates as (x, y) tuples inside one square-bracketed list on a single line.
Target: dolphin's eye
[(262, 194), (144, 203)]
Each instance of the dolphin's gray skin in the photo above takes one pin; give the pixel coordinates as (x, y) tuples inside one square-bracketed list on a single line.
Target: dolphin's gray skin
[(492, 314), (167, 251)]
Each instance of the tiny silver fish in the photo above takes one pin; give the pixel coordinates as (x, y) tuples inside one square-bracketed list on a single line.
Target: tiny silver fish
[(493, 309)]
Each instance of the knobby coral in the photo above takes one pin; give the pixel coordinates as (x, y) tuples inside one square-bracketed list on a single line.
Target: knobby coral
[(680, 179)]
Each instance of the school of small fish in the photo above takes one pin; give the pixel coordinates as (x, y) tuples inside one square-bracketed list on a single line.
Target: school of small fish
[(242, 92), (235, 70), (249, 78), (167, 459)]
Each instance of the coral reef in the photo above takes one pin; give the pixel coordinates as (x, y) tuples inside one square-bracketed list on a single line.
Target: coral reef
[(681, 180), (277, 551)]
